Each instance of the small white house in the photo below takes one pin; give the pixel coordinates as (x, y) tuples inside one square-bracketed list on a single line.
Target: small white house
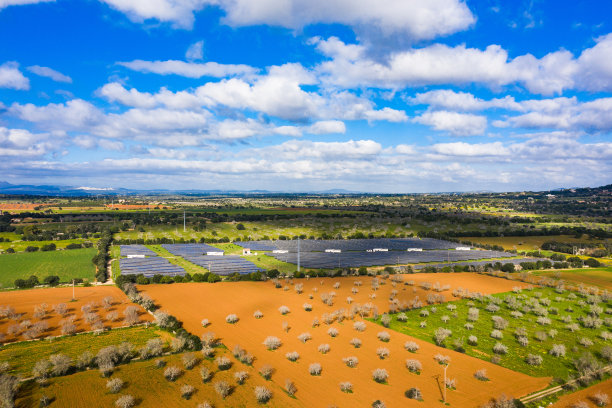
[(380, 250), (333, 251), (415, 250), (246, 251), (135, 256), (462, 249), (215, 253), (280, 251)]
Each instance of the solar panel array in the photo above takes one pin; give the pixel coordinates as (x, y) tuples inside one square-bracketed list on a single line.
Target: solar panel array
[(356, 259), (503, 261), (149, 266), (221, 265), (311, 245), (127, 250)]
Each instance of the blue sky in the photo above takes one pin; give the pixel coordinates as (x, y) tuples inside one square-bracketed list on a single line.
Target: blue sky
[(297, 95)]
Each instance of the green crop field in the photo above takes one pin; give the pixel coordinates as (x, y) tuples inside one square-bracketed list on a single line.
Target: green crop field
[(600, 277), (27, 353), (67, 264), (566, 305)]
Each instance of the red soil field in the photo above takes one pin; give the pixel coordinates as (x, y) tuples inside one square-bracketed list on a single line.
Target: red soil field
[(191, 302), (131, 206), (26, 206), (24, 301), (584, 395)]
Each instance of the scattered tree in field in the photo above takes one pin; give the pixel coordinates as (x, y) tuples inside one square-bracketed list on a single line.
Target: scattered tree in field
[(380, 375), (131, 315), (241, 376), (351, 361), (9, 385), (355, 342), (205, 323), (441, 334), (382, 352), (153, 348), (85, 360), (67, 326), (481, 375), (206, 374), (62, 364), (115, 385), (208, 339), (414, 393), (231, 318), (258, 314), (557, 350), (385, 320), (500, 402), (190, 360), (383, 336), (332, 331), (61, 309), (112, 316), (292, 356), (262, 394), (178, 344), (359, 326), (290, 387), (411, 346), (187, 391), (472, 340), (324, 348), (208, 351), (223, 363), (222, 388), (106, 359), (534, 359), (499, 348), (497, 334), (272, 343), (451, 383), (378, 404), (283, 310), (402, 317), (160, 363), (205, 404), (346, 386), (442, 359), (304, 337), (266, 371), (307, 307), (315, 369), (42, 371), (601, 399), (45, 401), (414, 366), (125, 401), (107, 302), (40, 311), (172, 373)]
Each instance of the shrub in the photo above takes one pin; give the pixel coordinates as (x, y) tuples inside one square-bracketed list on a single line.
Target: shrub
[(307, 307), (534, 359), (355, 342), (187, 391), (153, 348), (346, 386), (159, 363), (283, 310), (125, 401), (499, 348), (222, 388), (205, 323), (258, 314), (451, 383), (315, 369), (585, 341), (380, 375), (411, 346), (189, 360), (402, 317), (61, 364), (383, 336), (442, 359), (414, 366), (378, 404), (206, 374), (414, 393), (441, 334), (522, 340), (241, 376), (385, 320), (272, 343), (290, 387), (304, 337), (231, 318), (473, 340), (266, 371), (115, 385), (382, 352), (292, 356), (262, 394), (481, 375), (172, 373), (324, 348), (557, 350), (333, 332), (223, 363), (359, 326), (351, 361), (496, 334), (600, 399), (205, 404), (468, 326)]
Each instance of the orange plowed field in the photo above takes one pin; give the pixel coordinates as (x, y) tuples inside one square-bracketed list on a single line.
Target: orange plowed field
[(193, 302), (568, 401), (24, 301)]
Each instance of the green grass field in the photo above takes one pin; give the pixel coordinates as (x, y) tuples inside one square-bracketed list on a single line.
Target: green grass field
[(67, 264), (20, 246), (600, 277), (23, 355), (515, 358)]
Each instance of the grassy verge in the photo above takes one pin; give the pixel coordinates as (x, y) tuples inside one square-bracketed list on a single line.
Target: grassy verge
[(267, 262), (514, 359), (23, 355), (68, 264), (177, 260)]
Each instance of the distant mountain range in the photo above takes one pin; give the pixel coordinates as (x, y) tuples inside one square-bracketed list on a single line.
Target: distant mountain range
[(71, 191)]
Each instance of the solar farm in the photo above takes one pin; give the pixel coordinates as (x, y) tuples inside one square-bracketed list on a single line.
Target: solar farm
[(219, 264), (149, 266), (311, 245)]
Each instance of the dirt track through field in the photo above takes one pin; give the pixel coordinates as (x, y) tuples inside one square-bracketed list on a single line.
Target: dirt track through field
[(192, 302), (24, 302)]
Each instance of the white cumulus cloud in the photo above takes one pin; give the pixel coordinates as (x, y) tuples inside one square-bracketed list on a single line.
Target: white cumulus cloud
[(49, 73), (11, 77), (458, 124)]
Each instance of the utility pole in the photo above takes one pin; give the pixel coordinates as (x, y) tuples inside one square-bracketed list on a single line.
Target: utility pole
[(444, 385), (184, 225), (73, 289), (298, 255)]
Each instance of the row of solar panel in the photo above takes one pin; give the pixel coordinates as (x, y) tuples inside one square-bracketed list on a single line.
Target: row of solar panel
[(221, 265), (149, 267), (309, 245), (357, 259), (130, 250)]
